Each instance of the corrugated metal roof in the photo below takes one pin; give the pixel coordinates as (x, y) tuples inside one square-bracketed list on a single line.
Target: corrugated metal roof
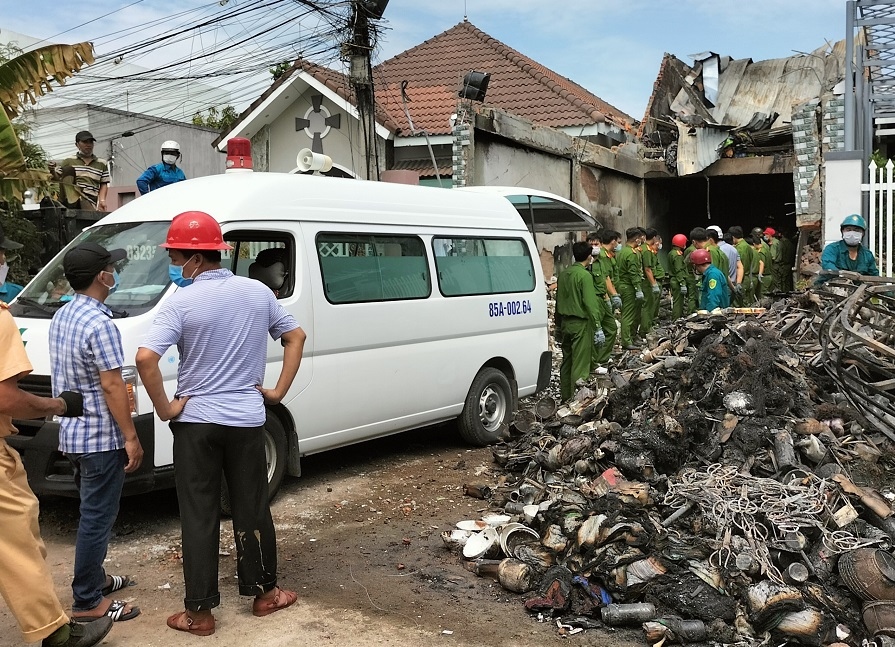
[(767, 86), (745, 88), (698, 151)]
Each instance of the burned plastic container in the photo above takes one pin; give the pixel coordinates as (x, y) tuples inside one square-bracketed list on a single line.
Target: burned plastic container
[(869, 573), (675, 630), (879, 618), (617, 615)]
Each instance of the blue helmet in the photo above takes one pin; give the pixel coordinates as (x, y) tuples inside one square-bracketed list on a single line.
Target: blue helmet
[(854, 220)]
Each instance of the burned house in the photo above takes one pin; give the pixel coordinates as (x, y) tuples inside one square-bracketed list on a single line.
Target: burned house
[(743, 141)]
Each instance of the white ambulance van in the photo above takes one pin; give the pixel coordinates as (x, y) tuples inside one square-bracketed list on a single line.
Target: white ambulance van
[(421, 305)]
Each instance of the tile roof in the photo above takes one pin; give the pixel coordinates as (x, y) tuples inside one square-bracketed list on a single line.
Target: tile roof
[(423, 167), (335, 81), (434, 70)]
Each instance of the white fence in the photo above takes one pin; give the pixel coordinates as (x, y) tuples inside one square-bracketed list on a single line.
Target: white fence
[(879, 220)]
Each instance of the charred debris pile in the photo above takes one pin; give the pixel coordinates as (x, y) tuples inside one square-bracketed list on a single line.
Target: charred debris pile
[(731, 484)]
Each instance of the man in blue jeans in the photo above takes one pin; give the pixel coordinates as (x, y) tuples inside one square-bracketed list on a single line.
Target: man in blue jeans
[(86, 356)]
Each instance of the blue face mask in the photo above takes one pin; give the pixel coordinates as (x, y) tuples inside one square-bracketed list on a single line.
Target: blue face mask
[(175, 273), (618, 247), (115, 281)]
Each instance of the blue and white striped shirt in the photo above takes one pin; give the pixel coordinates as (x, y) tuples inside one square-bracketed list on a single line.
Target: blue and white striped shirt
[(220, 324), (84, 342)]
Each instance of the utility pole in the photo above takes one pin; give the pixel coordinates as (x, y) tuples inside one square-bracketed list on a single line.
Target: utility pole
[(361, 77)]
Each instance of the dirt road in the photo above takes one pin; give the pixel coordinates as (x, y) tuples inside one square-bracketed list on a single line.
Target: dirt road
[(359, 539)]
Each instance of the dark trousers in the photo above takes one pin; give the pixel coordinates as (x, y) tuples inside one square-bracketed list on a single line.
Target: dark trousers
[(201, 453)]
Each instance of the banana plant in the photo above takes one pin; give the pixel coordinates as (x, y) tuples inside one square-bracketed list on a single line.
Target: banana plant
[(24, 78)]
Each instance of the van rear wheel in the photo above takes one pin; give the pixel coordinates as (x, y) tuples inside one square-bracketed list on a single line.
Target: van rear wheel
[(488, 408), (275, 449)]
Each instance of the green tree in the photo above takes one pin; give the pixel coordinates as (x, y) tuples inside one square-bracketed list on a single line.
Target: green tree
[(217, 119), (23, 78), (279, 69)]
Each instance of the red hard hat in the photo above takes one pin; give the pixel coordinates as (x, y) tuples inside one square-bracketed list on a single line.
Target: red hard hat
[(195, 230), (770, 231), (700, 257), (679, 240)]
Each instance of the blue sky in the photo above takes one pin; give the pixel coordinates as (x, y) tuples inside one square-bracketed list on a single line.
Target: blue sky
[(611, 47)]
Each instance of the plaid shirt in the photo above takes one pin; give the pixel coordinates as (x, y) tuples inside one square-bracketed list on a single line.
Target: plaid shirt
[(84, 342)]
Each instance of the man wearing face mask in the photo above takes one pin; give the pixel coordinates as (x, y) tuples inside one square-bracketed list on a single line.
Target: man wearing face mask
[(219, 426), (86, 356), (848, 254), (159, 175), (8, 290)]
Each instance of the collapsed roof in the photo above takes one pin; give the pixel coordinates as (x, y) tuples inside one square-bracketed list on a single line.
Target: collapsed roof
[(698, 112)]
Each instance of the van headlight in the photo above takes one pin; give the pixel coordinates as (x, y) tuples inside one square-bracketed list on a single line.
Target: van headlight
[(129, 373)]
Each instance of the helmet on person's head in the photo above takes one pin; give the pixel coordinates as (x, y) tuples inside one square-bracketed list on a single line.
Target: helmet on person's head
[(195, 230), (854, 220), (170, 146), (716, 229), (700, 257), (679, 240), (770, 231)]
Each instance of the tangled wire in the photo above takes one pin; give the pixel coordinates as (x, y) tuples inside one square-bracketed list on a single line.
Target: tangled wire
[(766, 513)]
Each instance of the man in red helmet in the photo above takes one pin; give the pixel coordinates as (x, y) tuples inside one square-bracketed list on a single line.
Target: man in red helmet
[(715, 293), (678, 270), (218, 414)]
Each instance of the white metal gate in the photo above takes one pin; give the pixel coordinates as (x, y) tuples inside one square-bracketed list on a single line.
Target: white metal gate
[(879, 216)]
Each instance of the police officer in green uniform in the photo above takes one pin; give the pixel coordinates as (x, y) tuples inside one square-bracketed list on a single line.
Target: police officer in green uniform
[(577, 316), (693, 284), (630, 279), (759, 263), (788, 262), (747, 296), (767, 273), (603, 268), (679, 283), (650, 287)]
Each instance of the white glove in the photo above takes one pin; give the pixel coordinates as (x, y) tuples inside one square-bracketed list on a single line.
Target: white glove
[(616, 302), (683, 289), (738, 288), (599, 337), (656, 288), (639, 295)]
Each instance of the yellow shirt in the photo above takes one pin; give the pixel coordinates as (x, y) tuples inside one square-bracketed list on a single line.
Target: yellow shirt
[(13, 360)]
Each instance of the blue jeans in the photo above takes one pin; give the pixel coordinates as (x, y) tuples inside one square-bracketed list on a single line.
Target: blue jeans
[(100, 478)]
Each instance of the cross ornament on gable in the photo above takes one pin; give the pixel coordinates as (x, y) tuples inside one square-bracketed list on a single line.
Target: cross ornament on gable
[(317, 122)]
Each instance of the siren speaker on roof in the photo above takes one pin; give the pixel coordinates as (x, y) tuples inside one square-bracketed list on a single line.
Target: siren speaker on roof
[(373, 8), (475, 84)]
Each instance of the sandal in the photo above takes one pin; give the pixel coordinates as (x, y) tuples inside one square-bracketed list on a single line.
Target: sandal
[(281, 599), (117, 582), (182, 621), (118, 610)]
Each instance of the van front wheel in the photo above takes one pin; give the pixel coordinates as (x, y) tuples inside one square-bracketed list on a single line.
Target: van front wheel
[(275, 449), (488, 408)]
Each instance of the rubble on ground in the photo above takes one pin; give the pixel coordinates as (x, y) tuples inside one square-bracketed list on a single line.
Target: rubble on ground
[(732, 483)]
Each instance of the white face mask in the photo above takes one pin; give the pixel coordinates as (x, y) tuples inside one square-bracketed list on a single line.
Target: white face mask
[(4, 270), (169, 159), (660, 246), (618, 248), (852, 238), (595, 250)]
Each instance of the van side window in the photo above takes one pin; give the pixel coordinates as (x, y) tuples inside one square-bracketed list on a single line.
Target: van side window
[(468, 266), (266, 257), (366, 267)]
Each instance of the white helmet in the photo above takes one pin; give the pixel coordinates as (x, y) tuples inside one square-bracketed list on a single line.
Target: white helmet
[(172, 146)]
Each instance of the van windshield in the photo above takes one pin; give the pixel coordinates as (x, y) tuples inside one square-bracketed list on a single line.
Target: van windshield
[(143, 275)]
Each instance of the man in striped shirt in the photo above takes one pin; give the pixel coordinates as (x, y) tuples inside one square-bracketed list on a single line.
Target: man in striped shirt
[(221, 426), (88, 173), (86, 357)]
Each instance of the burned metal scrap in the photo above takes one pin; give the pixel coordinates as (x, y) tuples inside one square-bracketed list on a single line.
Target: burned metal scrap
[(722, 478)]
